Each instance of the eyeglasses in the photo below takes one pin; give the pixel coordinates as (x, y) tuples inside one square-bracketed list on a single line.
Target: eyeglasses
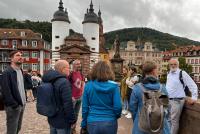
[(172, 64)]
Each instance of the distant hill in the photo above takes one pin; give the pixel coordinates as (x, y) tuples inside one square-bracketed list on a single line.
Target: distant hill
[(39, 27), (161, 40)]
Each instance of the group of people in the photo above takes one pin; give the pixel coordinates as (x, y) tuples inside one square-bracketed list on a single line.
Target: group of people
[(102, 98), (31, 81), (129, 78), (17, 89)]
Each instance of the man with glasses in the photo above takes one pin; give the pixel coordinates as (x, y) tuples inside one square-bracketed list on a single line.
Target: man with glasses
[(177, 94)]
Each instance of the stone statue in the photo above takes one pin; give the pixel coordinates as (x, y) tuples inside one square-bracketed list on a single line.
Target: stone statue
[(117, 47)]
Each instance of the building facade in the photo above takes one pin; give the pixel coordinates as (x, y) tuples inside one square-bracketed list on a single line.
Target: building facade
[(36, 51), (135, 53), (191, 55), (92, 37), (75, 47)]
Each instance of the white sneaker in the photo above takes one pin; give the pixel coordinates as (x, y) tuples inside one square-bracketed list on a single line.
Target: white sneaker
[(128, 116), (124, 112)]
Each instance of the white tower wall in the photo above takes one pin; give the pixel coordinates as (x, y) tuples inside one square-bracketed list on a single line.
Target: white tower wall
[(60, 30), (91, 34)]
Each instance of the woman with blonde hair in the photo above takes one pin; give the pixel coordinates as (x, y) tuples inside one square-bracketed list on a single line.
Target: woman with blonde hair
[(123, 90), (101, 101)]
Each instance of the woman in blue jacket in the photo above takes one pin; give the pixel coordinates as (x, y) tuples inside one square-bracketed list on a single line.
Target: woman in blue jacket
[(101, 101), (150, 82)]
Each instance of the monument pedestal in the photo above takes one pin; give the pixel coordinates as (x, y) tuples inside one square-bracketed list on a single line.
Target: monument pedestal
[(117, 65)]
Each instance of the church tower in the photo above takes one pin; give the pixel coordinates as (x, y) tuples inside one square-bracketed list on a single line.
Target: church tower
[(60, 29), (91, 33)]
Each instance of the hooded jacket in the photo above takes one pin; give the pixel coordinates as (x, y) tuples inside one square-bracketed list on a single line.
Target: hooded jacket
[(101, 102), (136, 103), (65, 116)]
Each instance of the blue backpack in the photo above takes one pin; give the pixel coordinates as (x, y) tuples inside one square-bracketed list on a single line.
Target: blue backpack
[(46, 99)]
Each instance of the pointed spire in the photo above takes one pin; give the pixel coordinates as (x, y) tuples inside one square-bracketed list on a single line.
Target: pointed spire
[(99, 13), (61, 5), (91, 7), (99, 16)]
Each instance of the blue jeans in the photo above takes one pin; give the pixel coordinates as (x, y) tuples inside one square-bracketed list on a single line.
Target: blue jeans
[(103, 127), (125, 104), (14, 119), (60, 131)]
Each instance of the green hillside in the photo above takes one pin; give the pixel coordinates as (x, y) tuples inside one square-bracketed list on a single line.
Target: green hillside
[(160, 40), (39, 27)]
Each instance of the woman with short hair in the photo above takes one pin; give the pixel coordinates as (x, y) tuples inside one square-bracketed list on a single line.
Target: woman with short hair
[(101, 101)]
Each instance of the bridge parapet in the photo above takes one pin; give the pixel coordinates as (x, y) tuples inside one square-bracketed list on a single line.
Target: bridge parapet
[(190, 119)]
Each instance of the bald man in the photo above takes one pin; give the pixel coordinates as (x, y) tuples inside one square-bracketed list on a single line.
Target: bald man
[(177, 94), (61, 123)]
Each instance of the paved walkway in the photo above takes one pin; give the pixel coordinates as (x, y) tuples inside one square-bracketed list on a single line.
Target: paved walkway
[(34, 123)]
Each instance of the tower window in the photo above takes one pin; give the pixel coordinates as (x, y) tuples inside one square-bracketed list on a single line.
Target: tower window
[(4, 42), (56, 47), (23, 34), (93, 38), (57, 36), (93, 49)]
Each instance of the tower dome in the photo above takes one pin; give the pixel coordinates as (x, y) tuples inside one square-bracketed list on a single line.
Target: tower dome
[(90, 16), (60, 14)]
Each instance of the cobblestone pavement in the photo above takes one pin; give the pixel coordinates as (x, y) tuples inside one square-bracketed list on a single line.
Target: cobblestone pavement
[(34, 123)]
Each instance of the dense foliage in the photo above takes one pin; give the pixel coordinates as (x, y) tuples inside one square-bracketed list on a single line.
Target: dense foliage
[(39, 27), (162, 41)]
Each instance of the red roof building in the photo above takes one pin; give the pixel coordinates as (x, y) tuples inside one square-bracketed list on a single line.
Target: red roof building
[(36, 51), (192, 56)]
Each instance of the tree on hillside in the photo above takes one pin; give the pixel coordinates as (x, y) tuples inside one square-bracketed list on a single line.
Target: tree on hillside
[(184, 66)]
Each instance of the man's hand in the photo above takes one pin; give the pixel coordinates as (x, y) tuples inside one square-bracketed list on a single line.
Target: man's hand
[(190, 101), (73, 99)]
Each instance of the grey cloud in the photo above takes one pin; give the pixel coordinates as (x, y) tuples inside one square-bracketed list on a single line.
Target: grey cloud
[(164, 15)]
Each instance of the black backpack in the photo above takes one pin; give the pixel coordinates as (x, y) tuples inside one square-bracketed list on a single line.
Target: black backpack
[(151, 115), (47, 104), (186, 89)]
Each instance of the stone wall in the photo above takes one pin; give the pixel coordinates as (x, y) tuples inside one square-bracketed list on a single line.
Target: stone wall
[(190, 119)]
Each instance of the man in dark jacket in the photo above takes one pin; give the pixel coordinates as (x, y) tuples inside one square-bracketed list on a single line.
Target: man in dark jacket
[(13, 93), (61, 123), (28, 86)]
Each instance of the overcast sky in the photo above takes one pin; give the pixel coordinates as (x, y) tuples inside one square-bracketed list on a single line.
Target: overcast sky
[(177, 17)]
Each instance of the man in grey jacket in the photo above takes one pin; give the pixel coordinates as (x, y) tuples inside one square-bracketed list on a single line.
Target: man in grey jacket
[(13, 93)]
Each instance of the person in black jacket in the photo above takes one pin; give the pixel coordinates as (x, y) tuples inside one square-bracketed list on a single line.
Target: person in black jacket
[(28, 86), (64, 119), (13, 93)]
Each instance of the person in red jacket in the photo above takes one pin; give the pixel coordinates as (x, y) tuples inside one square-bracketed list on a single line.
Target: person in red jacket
[(77, 81)]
